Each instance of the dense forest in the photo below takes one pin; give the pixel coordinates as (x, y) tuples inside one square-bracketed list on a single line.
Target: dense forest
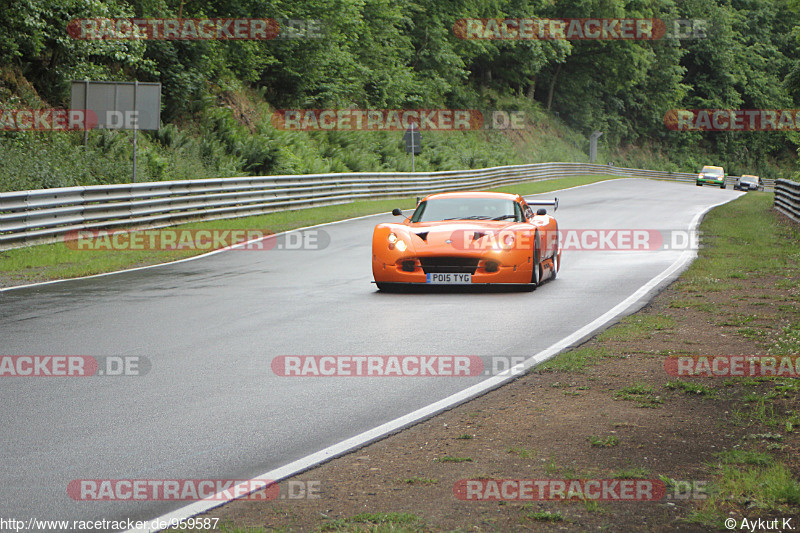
[(218, 95)]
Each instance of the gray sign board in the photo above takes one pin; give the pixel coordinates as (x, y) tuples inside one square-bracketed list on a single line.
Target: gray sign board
[(124, 105), (413, 139)]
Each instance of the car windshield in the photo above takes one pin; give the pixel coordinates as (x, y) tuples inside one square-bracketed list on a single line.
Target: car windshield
[(466, 209), (712, 171), (747, 179)]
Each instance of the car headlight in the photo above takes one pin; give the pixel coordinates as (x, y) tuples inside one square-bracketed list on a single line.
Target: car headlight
[(396, 242)]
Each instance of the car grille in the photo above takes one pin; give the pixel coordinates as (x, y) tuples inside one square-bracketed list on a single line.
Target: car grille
[(460, 265)]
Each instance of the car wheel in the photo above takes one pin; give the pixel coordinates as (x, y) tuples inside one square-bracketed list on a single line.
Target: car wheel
[(536, 275), (555, 265), (699, 184)]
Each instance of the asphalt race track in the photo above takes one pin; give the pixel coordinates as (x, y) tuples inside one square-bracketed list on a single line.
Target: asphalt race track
[(211, 407)]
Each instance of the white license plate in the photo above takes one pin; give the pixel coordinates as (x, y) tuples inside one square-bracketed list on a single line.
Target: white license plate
[(450, 278)]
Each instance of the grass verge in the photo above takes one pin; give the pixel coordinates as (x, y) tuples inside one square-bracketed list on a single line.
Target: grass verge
[(749, 256)]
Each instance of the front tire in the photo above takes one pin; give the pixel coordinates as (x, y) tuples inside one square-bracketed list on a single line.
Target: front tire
[(536, 275), (555, 265)]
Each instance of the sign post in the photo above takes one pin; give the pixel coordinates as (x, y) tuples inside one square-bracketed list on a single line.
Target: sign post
[(136, 124), (593, 145), (413, 139)]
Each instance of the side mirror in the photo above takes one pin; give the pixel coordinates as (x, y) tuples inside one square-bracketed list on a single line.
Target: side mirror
[(541, 211), (396, 212)]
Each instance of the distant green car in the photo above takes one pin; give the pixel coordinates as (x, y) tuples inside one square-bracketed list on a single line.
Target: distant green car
[(711, 176)]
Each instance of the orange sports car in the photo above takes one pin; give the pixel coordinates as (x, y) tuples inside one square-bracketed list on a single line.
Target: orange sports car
[(467, 238)]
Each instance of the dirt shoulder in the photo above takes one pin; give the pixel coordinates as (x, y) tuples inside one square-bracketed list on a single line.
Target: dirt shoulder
[(605, 410)]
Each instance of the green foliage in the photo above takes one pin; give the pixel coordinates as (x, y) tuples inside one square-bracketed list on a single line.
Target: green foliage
[(603, 442), (690, 387), (405, 54), (644, 395), (546, 516)]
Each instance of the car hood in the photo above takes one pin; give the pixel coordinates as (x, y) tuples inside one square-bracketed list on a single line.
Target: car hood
[(436, 234)]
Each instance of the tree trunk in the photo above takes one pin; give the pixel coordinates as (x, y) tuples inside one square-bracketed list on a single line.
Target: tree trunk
[(531, 88), (552, 87)]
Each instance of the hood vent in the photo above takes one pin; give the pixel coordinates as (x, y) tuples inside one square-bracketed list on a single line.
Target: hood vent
[(422, 235)]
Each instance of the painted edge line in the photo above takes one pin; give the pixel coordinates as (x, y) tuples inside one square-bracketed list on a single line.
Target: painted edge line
[(393, 426), (207, 254)]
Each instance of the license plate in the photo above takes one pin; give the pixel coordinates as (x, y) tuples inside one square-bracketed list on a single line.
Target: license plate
[(449, 278)]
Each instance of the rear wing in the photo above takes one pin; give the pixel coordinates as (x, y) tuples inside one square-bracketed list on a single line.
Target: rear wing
[(553, 202)]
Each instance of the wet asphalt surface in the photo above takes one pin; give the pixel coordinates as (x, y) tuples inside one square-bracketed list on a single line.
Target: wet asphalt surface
[(210, 407)]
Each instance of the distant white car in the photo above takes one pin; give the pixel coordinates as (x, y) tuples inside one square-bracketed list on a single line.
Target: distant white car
[(748, 182)]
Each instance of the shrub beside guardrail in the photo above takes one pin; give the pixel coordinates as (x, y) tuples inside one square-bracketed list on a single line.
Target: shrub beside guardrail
[(46, 215), (787, 198)]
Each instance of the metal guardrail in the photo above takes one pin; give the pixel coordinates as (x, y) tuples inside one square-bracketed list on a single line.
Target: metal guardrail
[(47, 215), (787, 198)]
